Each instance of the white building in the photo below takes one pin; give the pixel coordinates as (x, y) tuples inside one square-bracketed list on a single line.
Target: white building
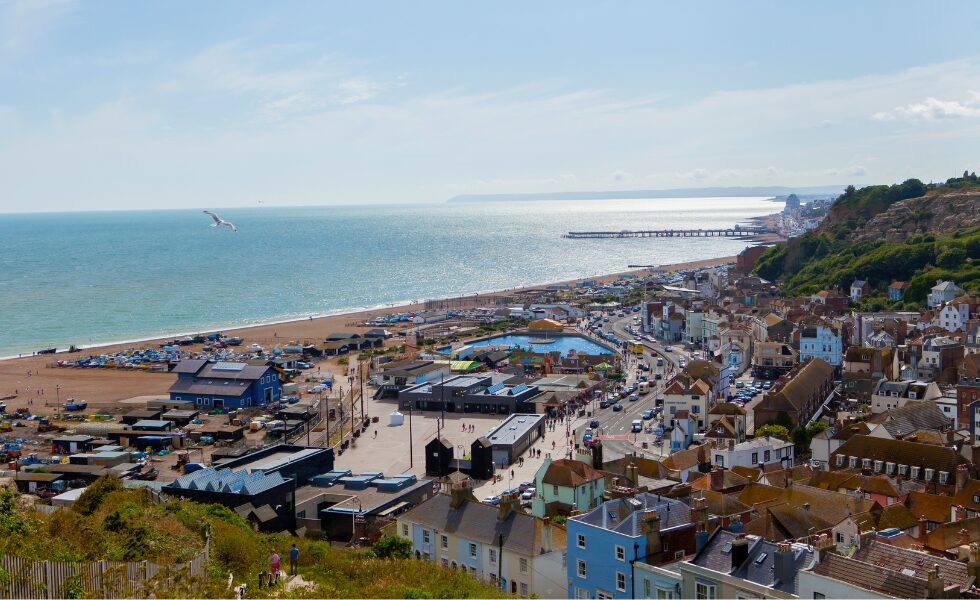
[(943, 291), (752, 453), (954, 316)]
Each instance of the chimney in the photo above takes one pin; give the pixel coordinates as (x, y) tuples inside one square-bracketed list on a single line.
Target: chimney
[(784, 563), (509, 503), (731, 444), (973, 565), (964, 537), (633, 474), (459, 494), (959, 513), (962, 477), (717, 479), (823, 545), (935, 584), (740, 551), (547, 545), (921, 532), (650, 527)]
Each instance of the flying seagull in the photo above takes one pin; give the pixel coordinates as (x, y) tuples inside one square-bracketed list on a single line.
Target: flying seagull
[(219, 222)]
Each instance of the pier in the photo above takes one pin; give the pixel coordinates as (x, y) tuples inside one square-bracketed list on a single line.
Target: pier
[(734, 232)]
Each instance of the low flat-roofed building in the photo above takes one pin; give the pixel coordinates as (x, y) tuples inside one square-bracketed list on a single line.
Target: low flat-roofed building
[(340, 500), (152, 425), (488, 394), (141, 414), (515, 435), (265, 499)]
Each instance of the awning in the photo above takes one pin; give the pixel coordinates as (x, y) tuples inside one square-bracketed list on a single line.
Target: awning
[(392, 509)]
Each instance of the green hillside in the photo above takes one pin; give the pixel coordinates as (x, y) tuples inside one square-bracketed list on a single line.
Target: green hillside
[(840, 251), (109, 522)]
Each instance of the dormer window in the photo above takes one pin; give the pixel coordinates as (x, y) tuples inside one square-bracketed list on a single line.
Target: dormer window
[(853, 462), (943, 477), (866, 463), (915, 472), (890, 468), (930, 473), (840, 460), (878, 465)]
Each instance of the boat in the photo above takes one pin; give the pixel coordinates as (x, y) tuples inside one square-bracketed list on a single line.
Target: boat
[(47, 351)]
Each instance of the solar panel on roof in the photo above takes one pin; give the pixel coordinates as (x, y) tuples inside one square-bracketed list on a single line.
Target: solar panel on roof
[(228, 366), (493, 389), (519, 388)]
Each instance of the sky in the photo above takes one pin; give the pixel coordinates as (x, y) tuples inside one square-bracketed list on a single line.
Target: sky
[(131, 105)]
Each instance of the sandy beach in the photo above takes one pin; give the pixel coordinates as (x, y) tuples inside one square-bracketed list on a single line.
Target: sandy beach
[(27, 381)]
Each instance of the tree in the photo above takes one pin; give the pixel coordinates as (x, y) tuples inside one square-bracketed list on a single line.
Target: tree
[(816, 427), (783, 419), (94, 494), (392, 546), (776, 431)]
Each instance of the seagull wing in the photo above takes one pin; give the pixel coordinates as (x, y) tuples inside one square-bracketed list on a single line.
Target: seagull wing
[(216, 218), (232, 225)]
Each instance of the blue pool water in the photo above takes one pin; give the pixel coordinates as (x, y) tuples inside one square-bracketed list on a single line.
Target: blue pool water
[(563, 344)]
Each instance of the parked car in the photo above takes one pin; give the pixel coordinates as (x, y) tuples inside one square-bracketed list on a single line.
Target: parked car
[(528, 494), (648, 414), (494, 500), (594, 423)]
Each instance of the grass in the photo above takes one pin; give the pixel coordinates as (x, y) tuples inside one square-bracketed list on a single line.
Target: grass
[(113, 523)]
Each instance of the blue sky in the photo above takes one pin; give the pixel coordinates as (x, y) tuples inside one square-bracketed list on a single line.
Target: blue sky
[(107, 105)]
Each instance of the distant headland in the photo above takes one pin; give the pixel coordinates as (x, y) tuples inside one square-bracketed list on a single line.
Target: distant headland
[(707, 192)]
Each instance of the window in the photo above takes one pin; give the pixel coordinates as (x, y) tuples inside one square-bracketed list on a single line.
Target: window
[(765, 456), (943, 476), (840, 460), (646, 588), (445, 542), (720, 460), (878, 465), (580, 568), (840, 538), (404, 530), (703, 591), (580, 541), (524, 589), (903, 469), (755, 458), (523, 565), (818, 596), (620, 553), (620, 581), (929, 474), (679, 554), (425, 536), (581, 593), (554, 489), (493, 555), (853, 462), (866, 463), (472, 550)]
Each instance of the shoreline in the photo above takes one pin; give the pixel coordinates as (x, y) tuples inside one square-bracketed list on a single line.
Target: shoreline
[(34, 381), (365, 312)]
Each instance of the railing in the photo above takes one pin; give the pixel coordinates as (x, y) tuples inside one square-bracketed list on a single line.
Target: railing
[(25, 578)]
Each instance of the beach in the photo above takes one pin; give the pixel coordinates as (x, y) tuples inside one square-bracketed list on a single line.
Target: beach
[(29, 382)]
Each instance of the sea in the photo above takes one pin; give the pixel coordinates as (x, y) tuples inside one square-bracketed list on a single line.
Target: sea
[(91, 278)]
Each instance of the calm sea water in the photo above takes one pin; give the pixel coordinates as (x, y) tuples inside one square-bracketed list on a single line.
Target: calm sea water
[(87, 278)]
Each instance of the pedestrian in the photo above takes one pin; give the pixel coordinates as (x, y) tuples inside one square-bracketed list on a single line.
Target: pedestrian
[(293, 560), (274, 566)]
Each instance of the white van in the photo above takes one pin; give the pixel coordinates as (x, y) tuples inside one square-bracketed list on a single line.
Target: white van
[(636, 426), (643, 387)]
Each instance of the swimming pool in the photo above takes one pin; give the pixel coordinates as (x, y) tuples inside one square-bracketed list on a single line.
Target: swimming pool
[(560, 343)]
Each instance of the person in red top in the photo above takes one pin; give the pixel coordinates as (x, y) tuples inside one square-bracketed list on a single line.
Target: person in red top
[(274, 565)]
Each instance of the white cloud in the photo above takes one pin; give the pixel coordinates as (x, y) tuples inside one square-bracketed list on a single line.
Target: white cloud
[(932, 109), (358, 89), (620, 176), (856, 170)]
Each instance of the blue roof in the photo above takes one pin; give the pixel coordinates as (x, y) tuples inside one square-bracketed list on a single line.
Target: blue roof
[(228, 481)]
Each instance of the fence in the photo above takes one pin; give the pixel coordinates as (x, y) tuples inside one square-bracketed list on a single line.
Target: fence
[(24, 578)]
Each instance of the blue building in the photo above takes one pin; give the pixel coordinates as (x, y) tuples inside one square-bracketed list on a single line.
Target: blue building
[(820, 339), (225, 384), (605, 544)]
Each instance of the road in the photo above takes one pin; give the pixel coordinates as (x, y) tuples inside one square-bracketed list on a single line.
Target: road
[(612, 423)]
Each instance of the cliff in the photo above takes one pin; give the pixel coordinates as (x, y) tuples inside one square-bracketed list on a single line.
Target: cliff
[(940, 212)]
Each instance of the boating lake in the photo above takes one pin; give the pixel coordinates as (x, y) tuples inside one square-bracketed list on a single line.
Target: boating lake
[(560, 343)]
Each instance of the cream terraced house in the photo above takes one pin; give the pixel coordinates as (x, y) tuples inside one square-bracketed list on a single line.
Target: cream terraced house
[(515, 551)]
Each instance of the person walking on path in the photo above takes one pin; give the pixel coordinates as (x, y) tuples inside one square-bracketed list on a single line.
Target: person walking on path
[(293, 560), (274, 566)]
